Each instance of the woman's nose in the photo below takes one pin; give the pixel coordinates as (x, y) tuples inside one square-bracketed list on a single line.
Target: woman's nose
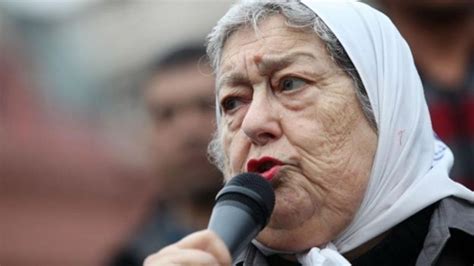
[(261, 123)]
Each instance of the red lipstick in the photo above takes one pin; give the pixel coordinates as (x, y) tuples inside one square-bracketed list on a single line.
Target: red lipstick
[(266, 166)]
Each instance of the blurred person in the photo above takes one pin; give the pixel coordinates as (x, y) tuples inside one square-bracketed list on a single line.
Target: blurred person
[(179, 98), (440, 34), (323, 100), (67, 197)]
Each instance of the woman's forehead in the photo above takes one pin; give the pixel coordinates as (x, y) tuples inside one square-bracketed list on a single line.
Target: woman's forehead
[(271, 34), (299, 60)]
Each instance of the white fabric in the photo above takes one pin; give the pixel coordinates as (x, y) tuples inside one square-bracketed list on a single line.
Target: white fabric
[(328, 256), (325, 256), (411, 165)]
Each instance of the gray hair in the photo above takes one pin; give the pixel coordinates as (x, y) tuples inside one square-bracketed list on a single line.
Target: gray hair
[(250, 13)]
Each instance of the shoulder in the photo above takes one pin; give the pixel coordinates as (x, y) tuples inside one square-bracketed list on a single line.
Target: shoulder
[(453, 213), (450, 235)]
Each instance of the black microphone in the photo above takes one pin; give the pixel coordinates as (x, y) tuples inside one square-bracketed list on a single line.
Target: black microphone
[(242, 209)]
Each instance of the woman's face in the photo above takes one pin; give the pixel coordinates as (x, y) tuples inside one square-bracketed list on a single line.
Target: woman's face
[(292, 115)]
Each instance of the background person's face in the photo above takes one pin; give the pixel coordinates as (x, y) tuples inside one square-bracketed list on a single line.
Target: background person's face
[(284, 97), (181, 102)]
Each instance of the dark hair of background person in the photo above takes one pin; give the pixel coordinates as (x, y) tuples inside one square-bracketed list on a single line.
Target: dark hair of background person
[(179, 56)]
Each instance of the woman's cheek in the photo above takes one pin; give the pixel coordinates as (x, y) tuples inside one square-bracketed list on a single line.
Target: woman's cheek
[(233, 154)]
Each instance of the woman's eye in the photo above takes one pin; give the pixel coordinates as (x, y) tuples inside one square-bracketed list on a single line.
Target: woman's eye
[(230, 103), (289, 84)]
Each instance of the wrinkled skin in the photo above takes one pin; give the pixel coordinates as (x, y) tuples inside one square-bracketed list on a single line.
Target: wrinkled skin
[(282, 96)]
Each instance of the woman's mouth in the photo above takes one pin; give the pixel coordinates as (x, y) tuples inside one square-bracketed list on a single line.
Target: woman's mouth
[(266, 166)]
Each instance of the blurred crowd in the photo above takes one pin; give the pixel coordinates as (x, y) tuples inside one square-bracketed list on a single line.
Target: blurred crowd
[(90, 157), (104, 124)]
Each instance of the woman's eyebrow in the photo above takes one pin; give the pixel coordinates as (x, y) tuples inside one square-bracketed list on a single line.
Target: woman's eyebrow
[(232, 79), (266, 66), (273, 63)]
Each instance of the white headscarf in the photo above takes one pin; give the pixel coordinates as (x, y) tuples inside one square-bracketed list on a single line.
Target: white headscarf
[(411, 165)]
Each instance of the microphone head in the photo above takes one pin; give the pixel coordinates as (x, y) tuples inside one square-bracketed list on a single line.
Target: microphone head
[(253, 191)]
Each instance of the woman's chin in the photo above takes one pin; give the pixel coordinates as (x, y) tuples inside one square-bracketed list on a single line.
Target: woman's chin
[(284, 220), (288, 223), (293, 238), (291, 210)]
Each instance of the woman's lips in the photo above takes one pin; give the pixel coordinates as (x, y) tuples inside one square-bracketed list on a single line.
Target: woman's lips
[(266, 166), (269, 174)]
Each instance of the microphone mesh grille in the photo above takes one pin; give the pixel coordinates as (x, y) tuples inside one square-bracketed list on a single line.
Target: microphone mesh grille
[(259, 185)]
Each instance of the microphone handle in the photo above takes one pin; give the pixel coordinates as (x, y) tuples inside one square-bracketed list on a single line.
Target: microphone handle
[(231, 220)]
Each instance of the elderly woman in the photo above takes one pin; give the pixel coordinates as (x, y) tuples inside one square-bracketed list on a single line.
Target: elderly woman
[(325, 101)]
